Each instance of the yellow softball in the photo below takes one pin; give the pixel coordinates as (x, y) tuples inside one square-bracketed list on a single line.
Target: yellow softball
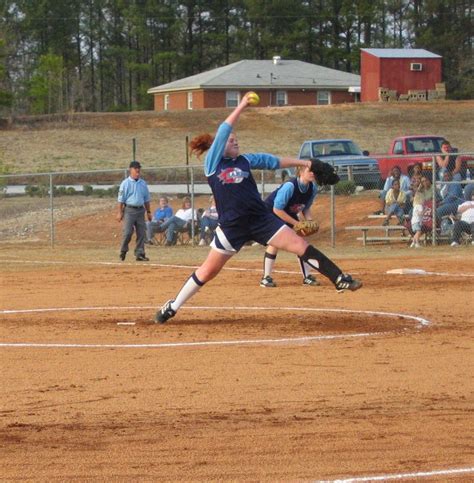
[(253, 98)]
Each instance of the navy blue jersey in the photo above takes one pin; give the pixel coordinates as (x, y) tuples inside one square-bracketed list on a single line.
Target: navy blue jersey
[(235, 190), (292, 197), (231, 181)]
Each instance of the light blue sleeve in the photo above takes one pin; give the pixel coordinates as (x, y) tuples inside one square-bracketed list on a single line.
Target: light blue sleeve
[(146, 195), (216, 151), (283, 196), (262, 161), (388, 184), (122, 191), (405, 183)]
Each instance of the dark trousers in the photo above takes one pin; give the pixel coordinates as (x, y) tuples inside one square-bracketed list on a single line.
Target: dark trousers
[(134, 219), (461, 227)]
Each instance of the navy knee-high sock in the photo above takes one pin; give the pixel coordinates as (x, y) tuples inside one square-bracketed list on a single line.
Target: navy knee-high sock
[(321, 263)]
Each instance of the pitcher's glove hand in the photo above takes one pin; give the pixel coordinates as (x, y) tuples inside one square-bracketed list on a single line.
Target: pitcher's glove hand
[(306, 227), (324, 173)]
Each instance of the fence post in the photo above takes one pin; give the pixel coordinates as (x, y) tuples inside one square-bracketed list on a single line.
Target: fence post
[(263, 184), (134, 149), (333, 217), (350, 173), (51, 207), (192, 206), (333, 214), (433, 180), (187, 163)]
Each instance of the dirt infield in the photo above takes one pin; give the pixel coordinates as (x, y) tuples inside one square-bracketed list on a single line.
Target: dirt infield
[(358, 395)]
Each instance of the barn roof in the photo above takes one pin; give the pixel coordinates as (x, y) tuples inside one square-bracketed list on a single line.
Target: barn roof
[(264, 74), (402, 53)]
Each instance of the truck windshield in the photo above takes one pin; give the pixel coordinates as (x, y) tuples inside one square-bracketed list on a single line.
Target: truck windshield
[(424, 145), (335, 148)]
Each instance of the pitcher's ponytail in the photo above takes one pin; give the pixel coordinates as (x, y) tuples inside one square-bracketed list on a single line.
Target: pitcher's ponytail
[(200, 144)]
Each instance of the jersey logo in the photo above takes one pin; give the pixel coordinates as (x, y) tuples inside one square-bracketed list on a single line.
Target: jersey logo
[(297, 208), (232, 175)]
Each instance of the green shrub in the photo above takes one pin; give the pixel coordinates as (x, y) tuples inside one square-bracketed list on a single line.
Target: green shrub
[(40, 191), (87, 190), (345, 188), (59, 191)]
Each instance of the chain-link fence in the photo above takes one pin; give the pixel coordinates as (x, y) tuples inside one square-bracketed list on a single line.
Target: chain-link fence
[(80, 207)]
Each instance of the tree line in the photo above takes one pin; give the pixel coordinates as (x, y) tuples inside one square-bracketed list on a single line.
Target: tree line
[(103, 55)]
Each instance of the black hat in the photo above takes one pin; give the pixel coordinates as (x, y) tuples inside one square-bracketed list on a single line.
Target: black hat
[(135, 164)]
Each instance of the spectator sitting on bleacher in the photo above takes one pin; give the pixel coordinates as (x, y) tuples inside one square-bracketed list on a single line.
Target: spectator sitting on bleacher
[(395, 203), (453, 163), (452, 196), (180, 221), (208, 222), (404, 186), (469, 192), (466, 223), (161, 214)]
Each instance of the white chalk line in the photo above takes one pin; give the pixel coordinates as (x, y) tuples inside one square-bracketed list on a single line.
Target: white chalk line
[(141, 265), (400, 476), (191, 267), (286, 340)]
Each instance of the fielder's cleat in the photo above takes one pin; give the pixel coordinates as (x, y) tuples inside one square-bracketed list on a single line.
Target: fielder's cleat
[(346, 282), (310, 280), (267, 282), (123, 255), (165, 313), (142, 258)]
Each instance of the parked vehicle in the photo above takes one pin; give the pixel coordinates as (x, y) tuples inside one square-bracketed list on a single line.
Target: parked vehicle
[(285, 173), (424, 146), (347, 157)]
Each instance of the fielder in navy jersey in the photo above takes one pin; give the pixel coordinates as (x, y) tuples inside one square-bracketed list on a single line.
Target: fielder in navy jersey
[(291, 202), (243, 216)]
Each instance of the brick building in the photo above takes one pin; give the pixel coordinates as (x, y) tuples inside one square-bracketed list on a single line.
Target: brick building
[(278, 83), (399, 70)]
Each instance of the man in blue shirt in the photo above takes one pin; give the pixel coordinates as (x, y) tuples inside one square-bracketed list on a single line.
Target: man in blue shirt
[(133, 200), (162, 213)]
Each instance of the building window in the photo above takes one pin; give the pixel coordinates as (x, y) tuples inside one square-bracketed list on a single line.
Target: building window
[(190, 100), (232, 98), (166, 102), (281, 98), (324, 98)]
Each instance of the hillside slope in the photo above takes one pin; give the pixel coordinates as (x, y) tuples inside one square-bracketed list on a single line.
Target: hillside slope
[(104, 140)]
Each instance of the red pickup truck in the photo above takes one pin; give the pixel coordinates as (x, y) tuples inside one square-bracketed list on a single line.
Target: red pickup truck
[(422, 149)]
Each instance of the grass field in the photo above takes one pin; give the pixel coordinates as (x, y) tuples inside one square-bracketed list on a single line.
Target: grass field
[(98, 141)]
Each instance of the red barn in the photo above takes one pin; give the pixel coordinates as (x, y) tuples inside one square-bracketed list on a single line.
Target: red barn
[(399, 70)]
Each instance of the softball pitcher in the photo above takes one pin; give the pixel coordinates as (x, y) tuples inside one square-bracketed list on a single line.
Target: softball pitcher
[(243, 215)]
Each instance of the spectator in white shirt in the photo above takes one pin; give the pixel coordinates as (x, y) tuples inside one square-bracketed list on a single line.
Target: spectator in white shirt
[(466, 223), (181, 220)]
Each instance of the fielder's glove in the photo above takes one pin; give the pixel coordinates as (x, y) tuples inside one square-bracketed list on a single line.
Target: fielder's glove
[(324, 173), (306, 227)]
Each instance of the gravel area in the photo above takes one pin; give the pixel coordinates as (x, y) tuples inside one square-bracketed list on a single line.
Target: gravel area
[(27, 218)]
